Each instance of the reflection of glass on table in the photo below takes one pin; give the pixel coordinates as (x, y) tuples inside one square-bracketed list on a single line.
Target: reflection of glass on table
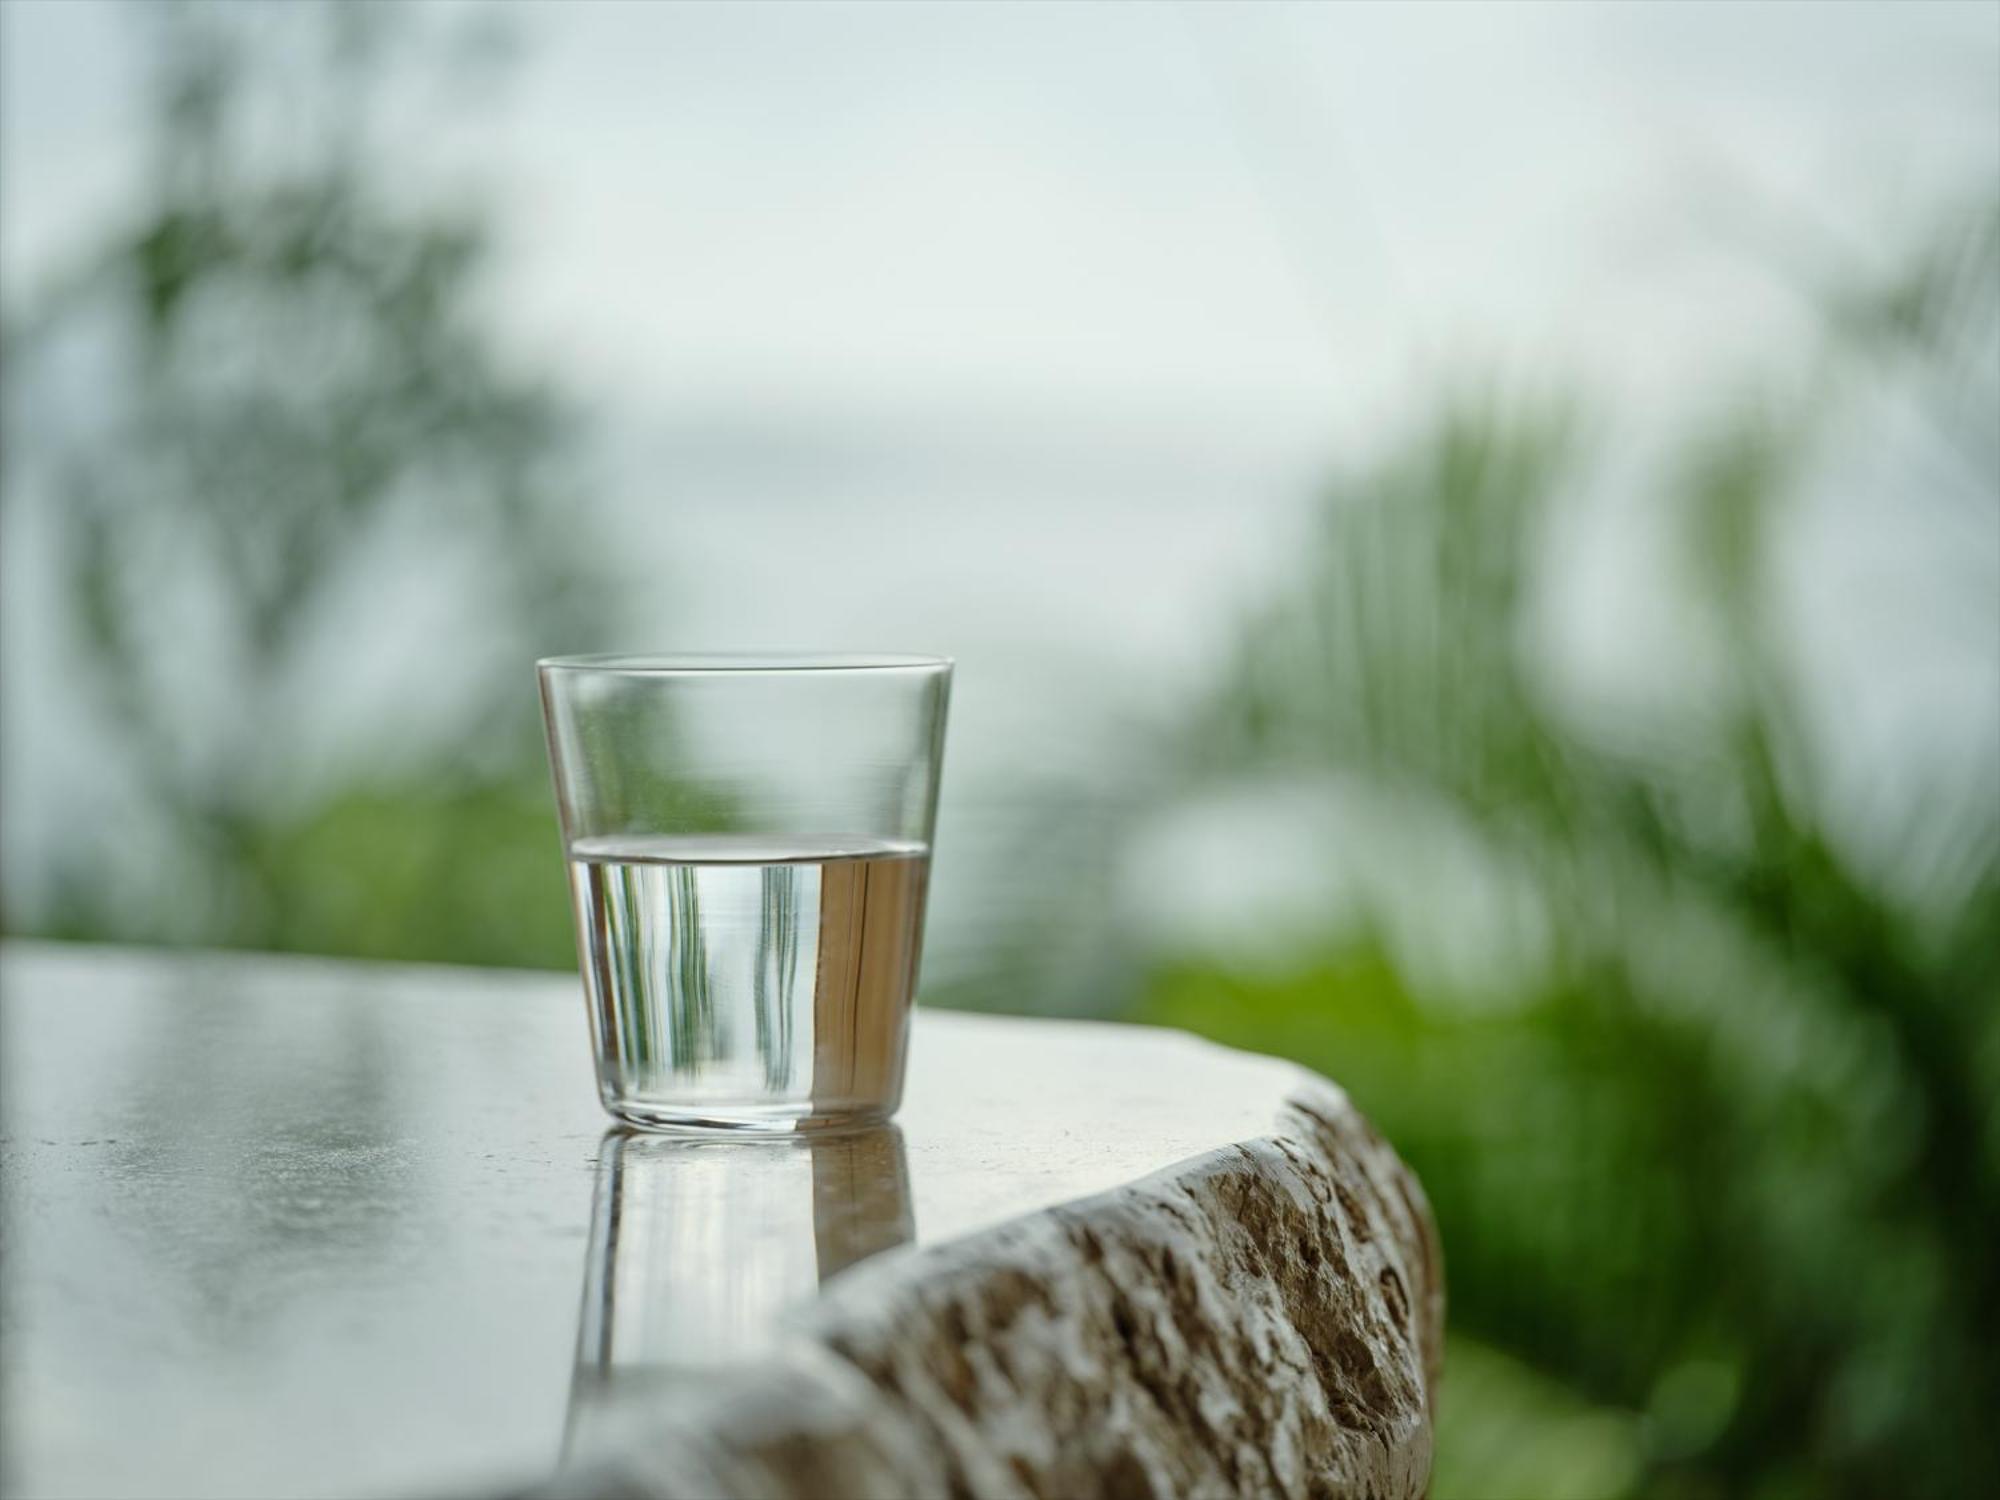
[(698, 1246)]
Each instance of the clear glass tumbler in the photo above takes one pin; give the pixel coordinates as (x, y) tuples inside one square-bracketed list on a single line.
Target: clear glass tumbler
[(749, 845)]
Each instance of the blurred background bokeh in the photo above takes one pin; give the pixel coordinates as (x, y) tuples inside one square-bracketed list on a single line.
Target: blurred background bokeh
[(1471, 536)]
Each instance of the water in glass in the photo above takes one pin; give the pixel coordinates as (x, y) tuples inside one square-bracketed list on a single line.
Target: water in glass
[(743, 980)]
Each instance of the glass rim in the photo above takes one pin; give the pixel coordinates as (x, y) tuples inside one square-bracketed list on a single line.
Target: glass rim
[(741, 663)]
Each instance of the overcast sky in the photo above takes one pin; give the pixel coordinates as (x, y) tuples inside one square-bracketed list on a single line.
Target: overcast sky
[(1244, 212)]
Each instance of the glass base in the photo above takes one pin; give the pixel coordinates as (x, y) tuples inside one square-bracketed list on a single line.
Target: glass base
[(742, 1120)]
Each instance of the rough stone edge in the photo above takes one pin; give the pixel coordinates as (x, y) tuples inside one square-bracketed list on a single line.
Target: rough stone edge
[(1262, 1319)]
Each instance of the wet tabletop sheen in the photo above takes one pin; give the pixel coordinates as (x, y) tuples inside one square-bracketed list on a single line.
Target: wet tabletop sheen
[(279, 1226)]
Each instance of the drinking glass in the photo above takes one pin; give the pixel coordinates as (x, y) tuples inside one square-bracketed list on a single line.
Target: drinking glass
[(749, 841)]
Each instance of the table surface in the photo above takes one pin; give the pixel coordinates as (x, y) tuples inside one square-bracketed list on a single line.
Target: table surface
[(283, 1226)]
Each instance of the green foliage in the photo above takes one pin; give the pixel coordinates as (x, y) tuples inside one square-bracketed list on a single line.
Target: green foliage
[(271, 378), (427, 871), (1504, 1430), (1715, 1147)]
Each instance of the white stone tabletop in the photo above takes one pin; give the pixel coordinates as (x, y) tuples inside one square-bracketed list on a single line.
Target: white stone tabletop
[(288, 1226)]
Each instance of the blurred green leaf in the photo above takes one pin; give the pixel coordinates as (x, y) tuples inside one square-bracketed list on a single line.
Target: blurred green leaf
[(290, 373), (1723, 1156)]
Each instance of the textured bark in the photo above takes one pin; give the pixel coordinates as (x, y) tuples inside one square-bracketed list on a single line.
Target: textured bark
[(1264, 1319)]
